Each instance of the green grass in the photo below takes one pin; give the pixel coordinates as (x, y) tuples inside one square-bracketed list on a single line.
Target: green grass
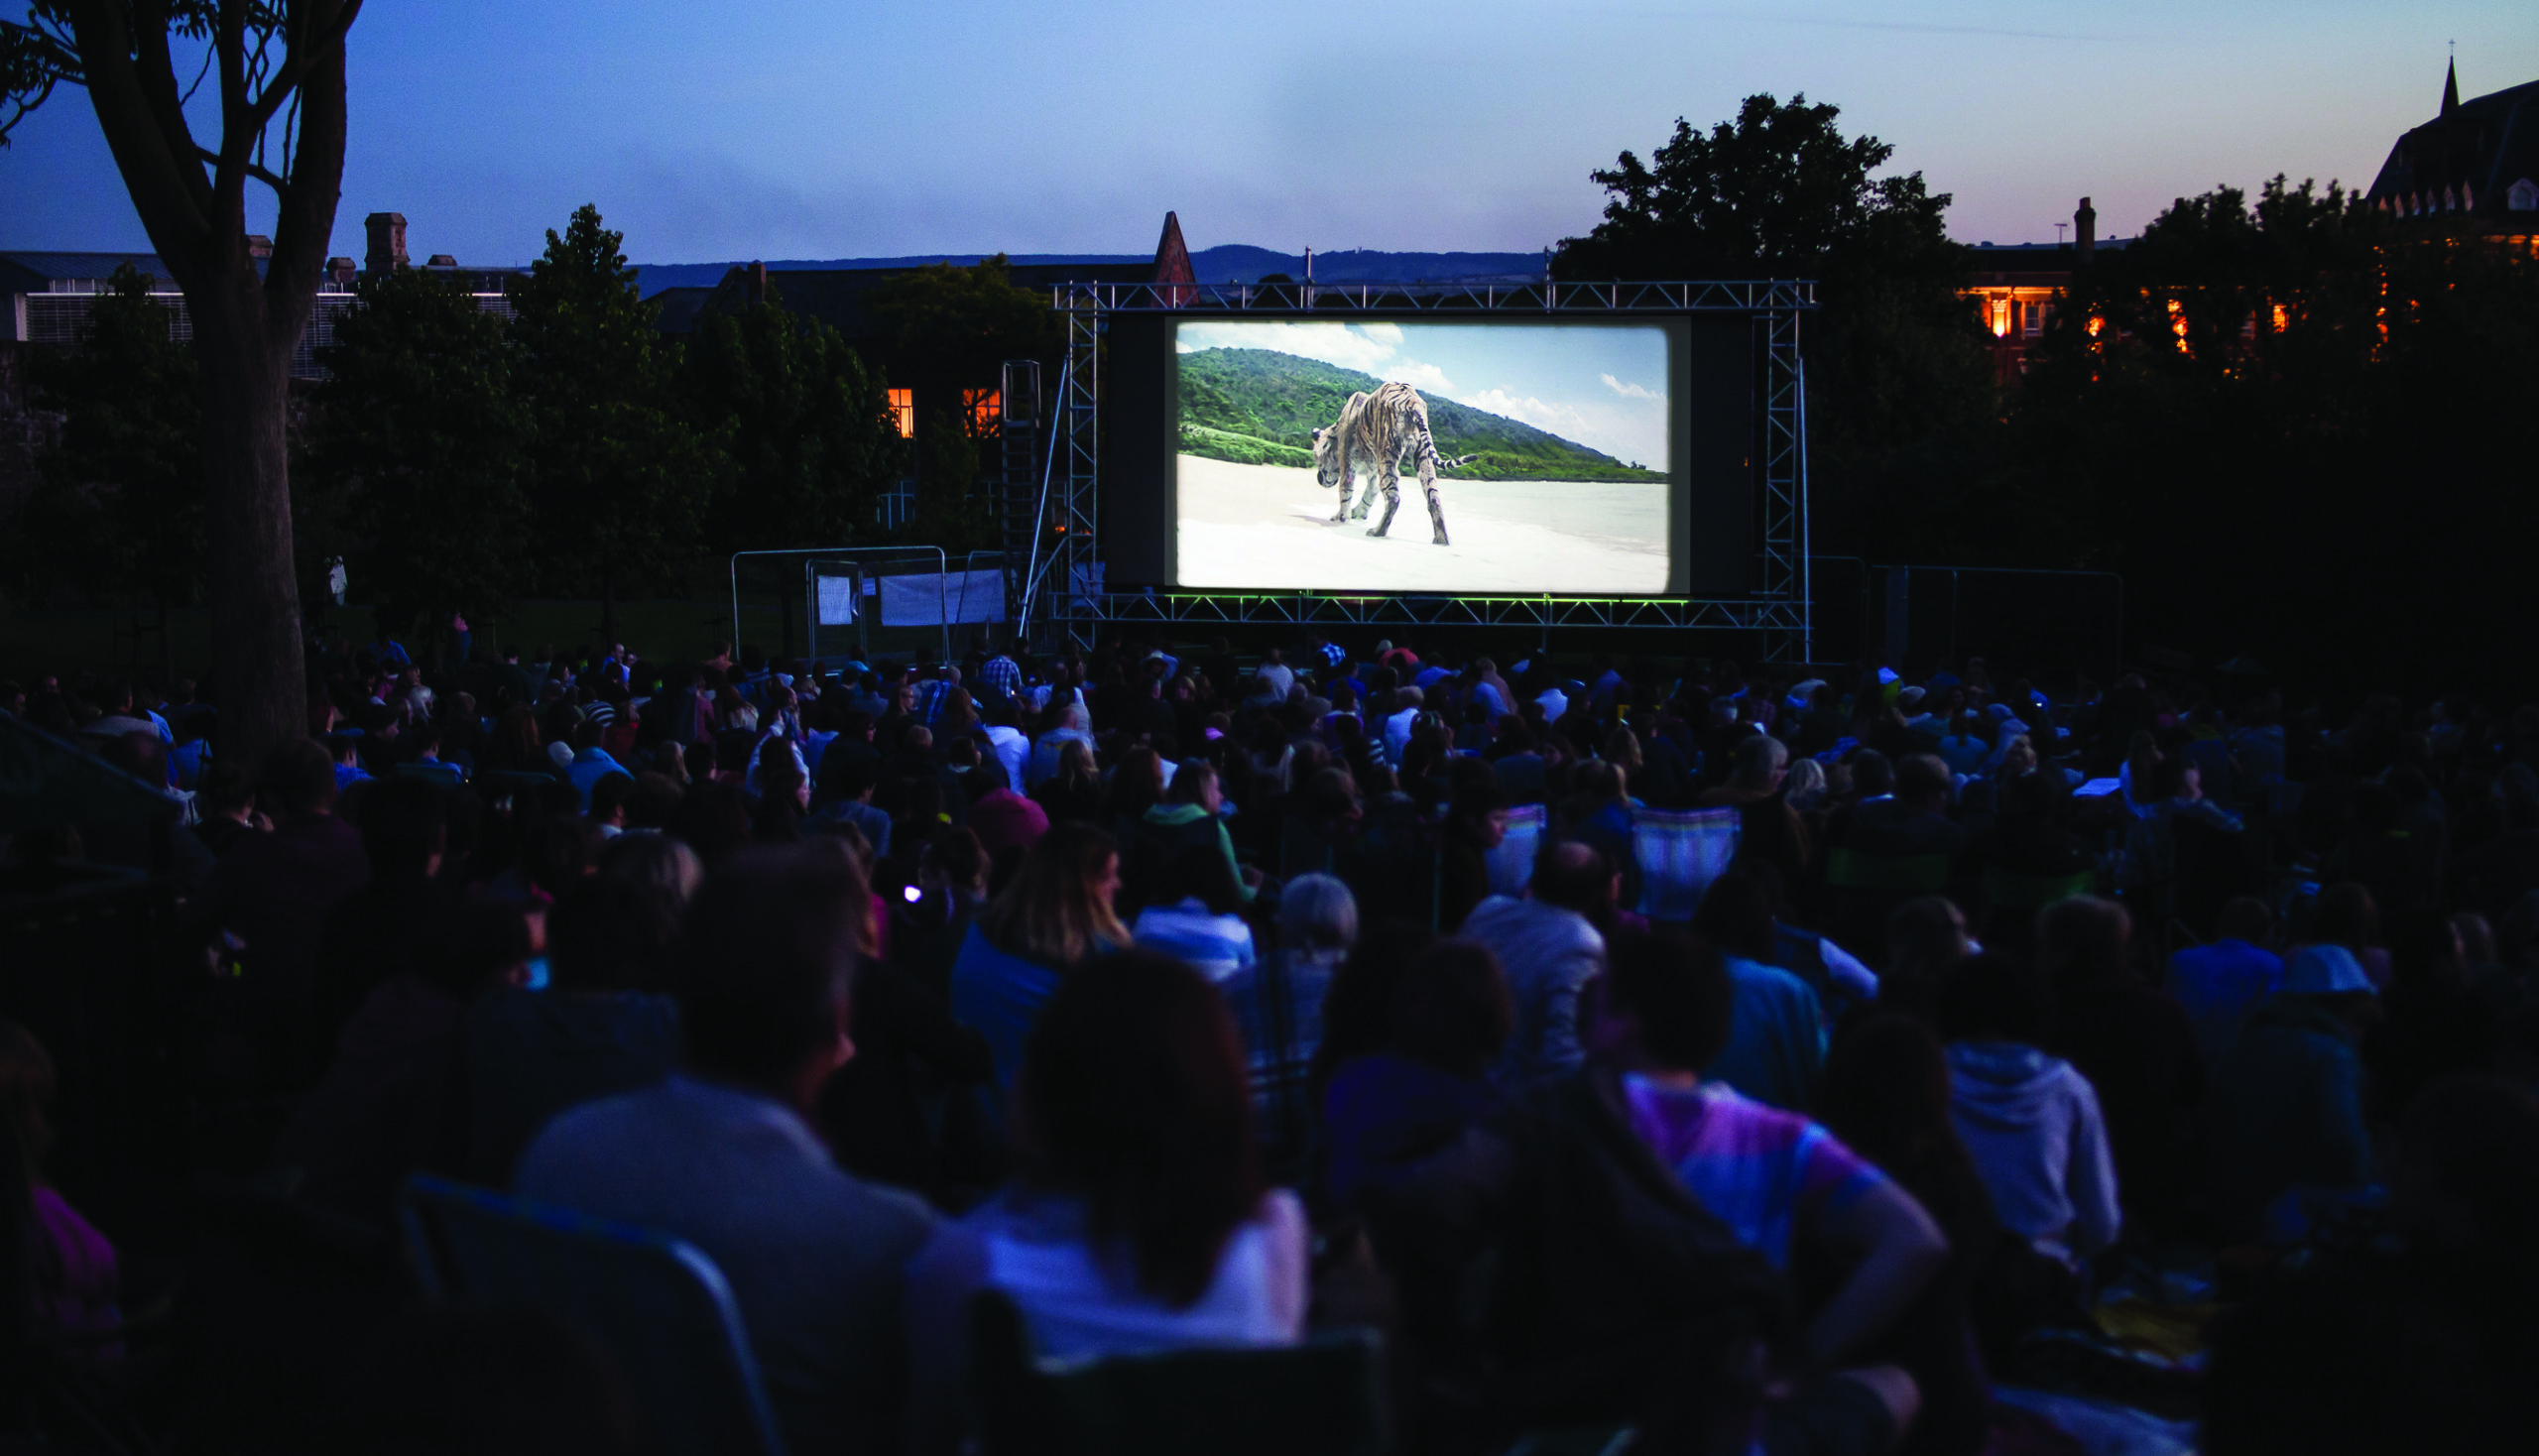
[(1242, 449)]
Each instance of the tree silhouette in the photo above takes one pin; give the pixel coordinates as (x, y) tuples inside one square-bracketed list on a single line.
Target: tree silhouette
[(276, 67), (622, 478), (422, 424)]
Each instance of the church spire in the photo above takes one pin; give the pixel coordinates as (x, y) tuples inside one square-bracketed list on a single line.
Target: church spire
[(2451, 89)]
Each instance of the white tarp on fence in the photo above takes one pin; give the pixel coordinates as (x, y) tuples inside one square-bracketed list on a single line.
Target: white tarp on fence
[(836, 601), (956, 596)]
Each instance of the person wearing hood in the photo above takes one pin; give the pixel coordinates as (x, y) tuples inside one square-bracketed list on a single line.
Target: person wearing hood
[(1192, 813), (2030, 1120), (2287, 1109)]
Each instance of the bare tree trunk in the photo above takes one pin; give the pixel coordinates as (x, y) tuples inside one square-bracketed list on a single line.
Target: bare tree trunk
[(253, 581), (246, 322)]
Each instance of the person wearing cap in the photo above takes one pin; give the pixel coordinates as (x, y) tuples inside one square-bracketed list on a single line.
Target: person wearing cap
[(2287, 1111)]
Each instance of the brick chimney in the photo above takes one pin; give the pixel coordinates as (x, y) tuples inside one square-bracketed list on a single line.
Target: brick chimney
[(2085, 232), (440, 260), (340, 271), (755, 284), (259, 246), (386, 242)]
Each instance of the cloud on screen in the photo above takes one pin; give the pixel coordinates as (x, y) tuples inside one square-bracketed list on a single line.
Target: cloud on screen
[(1628, 390)]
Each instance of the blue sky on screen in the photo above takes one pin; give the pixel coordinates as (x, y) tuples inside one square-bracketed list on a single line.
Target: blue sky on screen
[(796, 129), (1603, 385)]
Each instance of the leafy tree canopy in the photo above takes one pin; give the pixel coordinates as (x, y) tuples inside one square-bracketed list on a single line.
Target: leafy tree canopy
[(952, 327), (623, 478), (1778, 192), (119, 508), (810, 438), (420, 424), (1902, 412)]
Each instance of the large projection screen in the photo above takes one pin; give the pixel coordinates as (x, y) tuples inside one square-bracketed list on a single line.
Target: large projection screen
[(1559, 451)]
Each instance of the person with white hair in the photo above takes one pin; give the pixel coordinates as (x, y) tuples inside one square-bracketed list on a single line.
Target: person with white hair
[(1278, 1001)]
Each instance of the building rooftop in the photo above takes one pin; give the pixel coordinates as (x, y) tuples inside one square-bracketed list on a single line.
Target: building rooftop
[(2479, 157)]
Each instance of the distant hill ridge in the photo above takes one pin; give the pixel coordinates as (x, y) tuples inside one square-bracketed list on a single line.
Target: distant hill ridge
[(1259, 407), (1228, 262)]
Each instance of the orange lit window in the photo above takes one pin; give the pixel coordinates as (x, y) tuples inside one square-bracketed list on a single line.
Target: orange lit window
[(2280, 318), (2000, 318), (903, 404), (983, 406)]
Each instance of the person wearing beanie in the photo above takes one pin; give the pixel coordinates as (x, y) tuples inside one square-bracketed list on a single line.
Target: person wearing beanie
[(2287, 1109)]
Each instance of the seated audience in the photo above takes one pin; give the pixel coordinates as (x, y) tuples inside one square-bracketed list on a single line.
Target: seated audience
[(1777, 1029), (593, 1033), (1140, 1219), (2287, 1109), (2031, 1122), (1549, 949), (73, 1278), (1277, 1003), (2221, 985), (724, 1156), (1388, 1109), (1194, 915), (1054, 917)]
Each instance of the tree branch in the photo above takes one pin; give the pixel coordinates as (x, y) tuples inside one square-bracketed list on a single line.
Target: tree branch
[(252, 169), (305, 212), (298, 62), (165, 181)]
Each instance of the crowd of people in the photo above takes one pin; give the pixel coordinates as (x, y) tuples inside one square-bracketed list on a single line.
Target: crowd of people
[(1194, 998)]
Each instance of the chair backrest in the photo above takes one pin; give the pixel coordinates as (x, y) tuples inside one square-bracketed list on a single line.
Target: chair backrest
[(1512, 864), (1326, 1396), (1680, 852), (656, 1305)]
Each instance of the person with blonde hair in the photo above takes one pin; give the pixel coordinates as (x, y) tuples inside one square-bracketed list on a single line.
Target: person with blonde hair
[(1054, 917)]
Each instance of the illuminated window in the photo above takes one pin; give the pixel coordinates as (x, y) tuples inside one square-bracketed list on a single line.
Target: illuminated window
[(982, 407), (903, 409), (2281, 319), (2002, 317)]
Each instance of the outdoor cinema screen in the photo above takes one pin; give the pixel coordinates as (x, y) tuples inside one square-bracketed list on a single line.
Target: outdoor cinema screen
[(1481, 457)]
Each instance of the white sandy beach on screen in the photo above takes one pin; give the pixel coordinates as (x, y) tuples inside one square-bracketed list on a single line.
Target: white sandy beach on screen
[(1268, 527)]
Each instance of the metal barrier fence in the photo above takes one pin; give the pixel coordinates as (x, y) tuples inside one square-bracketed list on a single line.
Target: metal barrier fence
[(835, 602)]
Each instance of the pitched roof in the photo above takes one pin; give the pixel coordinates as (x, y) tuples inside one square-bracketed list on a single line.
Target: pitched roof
[(2486, 145), (679, 307)]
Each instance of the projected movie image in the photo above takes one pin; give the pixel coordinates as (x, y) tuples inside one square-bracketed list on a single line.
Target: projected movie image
[(1463, 456)]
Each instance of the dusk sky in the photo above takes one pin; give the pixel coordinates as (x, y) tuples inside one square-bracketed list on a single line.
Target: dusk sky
[(796, 130)]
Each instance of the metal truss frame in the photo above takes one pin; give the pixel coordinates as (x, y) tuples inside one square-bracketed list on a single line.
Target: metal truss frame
[(1781, 608)]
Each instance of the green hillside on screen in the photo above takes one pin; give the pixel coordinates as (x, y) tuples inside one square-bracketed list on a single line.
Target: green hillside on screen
[(1259, 406)]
